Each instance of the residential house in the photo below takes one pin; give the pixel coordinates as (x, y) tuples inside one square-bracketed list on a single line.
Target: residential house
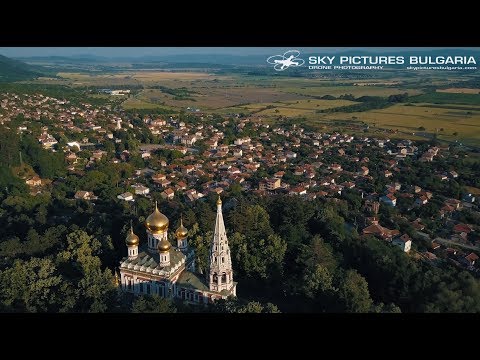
[(34, 181), (127, 196), (270, 184), (158, 178), (389, 199), (237, 152), (168, 193), (141, 190), (469, 198), (85, 195), (422, 200), (290, 155), (404, 242), (363, 171), (298, 190), (471, 258), (379, 231), (462, 228), (181, 185), (336, 167)]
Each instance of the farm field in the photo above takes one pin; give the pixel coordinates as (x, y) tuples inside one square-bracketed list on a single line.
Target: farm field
[(459, 91), (306, 108), (214, 98), (354, 90), (411, 118)]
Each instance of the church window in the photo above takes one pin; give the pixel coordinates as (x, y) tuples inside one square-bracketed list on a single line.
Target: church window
[(224, 278), (223, 260)]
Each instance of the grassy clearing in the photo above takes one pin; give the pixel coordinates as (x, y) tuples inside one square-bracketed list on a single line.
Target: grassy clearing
[(134, 103)]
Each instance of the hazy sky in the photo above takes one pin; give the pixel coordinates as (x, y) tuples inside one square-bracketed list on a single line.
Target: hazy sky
[(145, 51)]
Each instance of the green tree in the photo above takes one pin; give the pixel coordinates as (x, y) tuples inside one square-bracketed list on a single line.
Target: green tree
[(93, 286), (353, 292), (253, 221), (382, 308), (153, 304), (261, 258), (317, 280), (9, 147), (30, 286)]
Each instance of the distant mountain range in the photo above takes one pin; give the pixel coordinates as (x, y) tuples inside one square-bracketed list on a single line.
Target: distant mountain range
[(15, 70), (233, 60)]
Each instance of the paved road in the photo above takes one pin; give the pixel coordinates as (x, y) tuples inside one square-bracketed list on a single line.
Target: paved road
[(450, 242)]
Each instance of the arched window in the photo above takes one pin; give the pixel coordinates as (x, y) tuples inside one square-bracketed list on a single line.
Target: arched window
[(224, 278), (215, 278)]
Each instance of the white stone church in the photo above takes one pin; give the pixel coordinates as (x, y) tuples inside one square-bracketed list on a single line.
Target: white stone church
[(169, 271)]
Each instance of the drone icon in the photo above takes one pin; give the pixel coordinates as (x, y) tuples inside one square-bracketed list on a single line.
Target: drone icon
[(283, 62)]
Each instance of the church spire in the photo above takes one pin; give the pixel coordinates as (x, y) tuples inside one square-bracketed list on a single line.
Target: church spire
[(220, 274)]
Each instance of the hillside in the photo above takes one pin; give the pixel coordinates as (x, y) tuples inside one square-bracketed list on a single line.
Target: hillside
[(14, 70)]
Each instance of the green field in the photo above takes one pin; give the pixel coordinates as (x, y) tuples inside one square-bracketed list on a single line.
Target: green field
[(447, 98)]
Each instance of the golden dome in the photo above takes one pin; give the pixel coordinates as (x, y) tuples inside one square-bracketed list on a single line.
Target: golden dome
[(156, 222), (219, 201), (163, 245), (132, 239), (182, 231)]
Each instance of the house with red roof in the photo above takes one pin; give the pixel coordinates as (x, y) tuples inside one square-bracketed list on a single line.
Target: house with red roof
[(462, 228), (471, 258), (389, 199)]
